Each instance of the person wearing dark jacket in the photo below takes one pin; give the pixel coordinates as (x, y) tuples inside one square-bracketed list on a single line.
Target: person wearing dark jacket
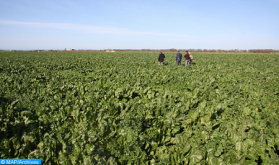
[(187, 59), (178, 58), (161, 58)]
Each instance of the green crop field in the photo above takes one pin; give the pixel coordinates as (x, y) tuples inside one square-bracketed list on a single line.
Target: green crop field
[(123, 108)]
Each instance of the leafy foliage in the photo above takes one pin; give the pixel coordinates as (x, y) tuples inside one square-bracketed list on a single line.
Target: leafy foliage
[(122, 108)]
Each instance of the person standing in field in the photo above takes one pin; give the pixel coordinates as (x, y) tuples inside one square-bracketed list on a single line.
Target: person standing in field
[(161, 58), (191, 57), (187, 58), (178, 58)]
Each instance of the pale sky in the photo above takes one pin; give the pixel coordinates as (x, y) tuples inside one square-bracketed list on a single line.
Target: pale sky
[(139, 24)]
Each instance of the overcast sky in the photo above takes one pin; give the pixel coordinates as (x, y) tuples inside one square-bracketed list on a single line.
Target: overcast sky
[(139, 24)]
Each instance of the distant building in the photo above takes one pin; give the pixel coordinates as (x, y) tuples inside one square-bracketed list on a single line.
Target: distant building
[(70, 49)]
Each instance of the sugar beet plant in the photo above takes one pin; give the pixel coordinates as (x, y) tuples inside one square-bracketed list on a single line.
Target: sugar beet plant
[(122, 108)]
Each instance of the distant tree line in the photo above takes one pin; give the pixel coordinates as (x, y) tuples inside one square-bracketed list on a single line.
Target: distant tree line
[(157, 50), (203, 50)]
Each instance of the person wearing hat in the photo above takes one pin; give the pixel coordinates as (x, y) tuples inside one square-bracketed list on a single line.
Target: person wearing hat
[(161, 58)]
